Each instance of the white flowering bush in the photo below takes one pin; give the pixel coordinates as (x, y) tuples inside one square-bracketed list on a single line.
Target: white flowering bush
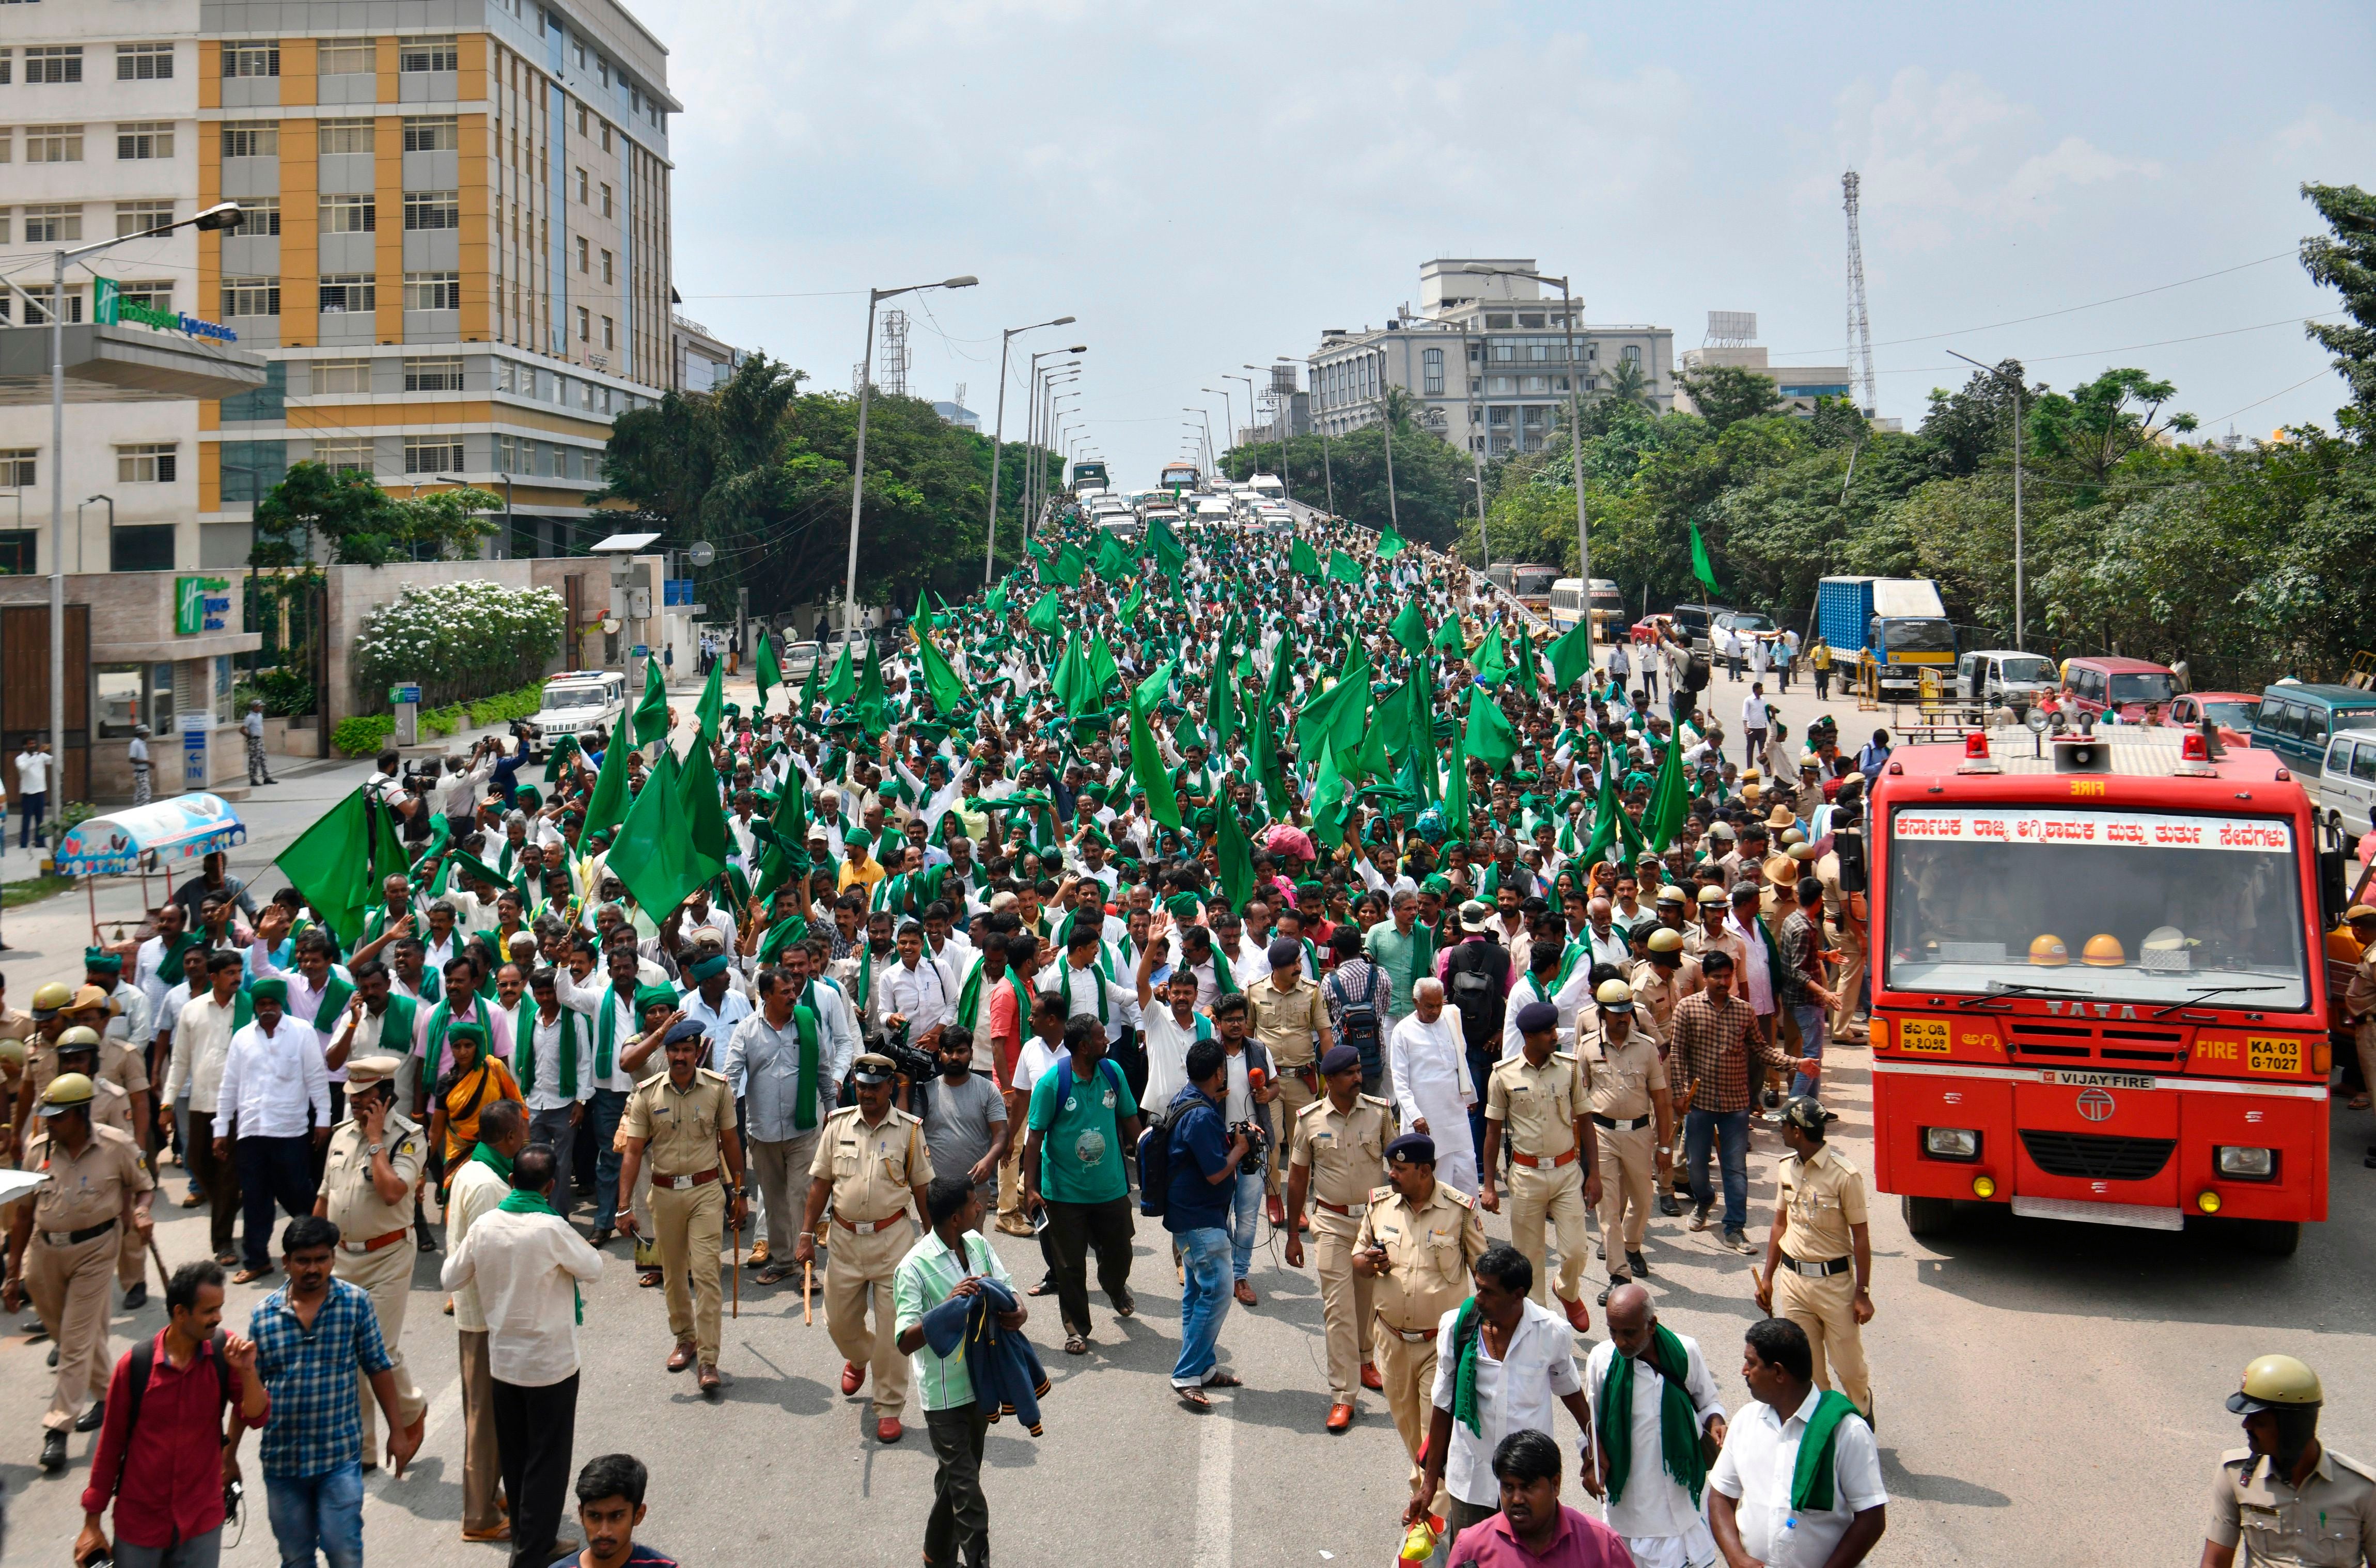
[(461, 641)]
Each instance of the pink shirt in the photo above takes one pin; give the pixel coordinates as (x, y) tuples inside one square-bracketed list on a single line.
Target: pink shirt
[(1580, 1541)]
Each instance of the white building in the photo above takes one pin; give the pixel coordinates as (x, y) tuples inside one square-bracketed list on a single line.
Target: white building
[(1484, 359)]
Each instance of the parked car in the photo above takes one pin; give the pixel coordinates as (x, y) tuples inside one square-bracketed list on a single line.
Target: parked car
[(2004, 678), (2231, 711), (2139, 692), (799, 660), (2345, 786), (2296, 719), (581, 703)]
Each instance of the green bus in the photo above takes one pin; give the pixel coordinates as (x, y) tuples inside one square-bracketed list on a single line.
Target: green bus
[(1089, 476)]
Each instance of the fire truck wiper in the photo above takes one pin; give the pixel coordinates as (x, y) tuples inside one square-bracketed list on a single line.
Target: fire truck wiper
[(2202, 991), (1998, 989)]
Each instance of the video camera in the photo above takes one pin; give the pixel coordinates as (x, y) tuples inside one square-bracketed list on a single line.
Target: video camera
[(1257, 1138), (916, 1064)]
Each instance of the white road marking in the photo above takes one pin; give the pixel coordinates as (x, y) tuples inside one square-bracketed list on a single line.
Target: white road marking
[(1214, 1517)]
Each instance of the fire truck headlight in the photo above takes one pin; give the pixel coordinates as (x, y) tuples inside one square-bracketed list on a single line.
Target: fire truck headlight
[(1950, 1143), (2248, 1164), (2207, 1201)]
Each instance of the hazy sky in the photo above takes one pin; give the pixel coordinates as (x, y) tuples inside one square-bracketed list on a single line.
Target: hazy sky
[(1204, 186)]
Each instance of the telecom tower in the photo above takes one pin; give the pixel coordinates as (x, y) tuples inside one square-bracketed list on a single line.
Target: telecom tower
[(891, 382), (1860, 327)]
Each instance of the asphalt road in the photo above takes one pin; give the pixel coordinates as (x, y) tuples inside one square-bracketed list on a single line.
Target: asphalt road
[(2048, 1392)]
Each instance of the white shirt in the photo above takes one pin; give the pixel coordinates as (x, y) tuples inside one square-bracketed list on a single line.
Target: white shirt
[(1519, 1391), (1568, 999), (587, 1002), (1654, 1504), (527, 1268), (1754, 713), (475, 1192), (33, 772), (1758, 977), (1167, 1053), (1036, 1057), (1086, 990), (545, 1094), (924, 995), (270, 1080), (1761, 1454)]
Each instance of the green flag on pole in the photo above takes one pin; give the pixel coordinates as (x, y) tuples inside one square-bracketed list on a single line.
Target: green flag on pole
[(1304, 561), (871, 709), (1571, 657), (705, 815), (1449, 636), (1113, 563), (1047, 615), (1669, 796), (1391, 544), (608, 806), (1068, 564), (1490, 737), (941, 681), (1410, 628), (710, 711), (1700, 567), (330, 863), (771, 674), (1342, 568), (1232, 855), (1149, 694), (1147, 770), (655, 854), (1165, 545), (651, 710), (842, 685)]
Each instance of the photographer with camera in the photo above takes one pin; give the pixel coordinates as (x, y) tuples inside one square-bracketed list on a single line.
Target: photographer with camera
[(1205, 1154)]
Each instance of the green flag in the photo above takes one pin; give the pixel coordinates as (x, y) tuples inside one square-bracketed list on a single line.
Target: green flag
[(1070, 679), (705, 816), (1281, 658), (871, 710), (654, 854), (994, 601), (1304, 561), (1609, 825), (1220, 700), (1490, 738), (330, 863), (1341, 566), (842, 685), (1492, 663), (1328, 807), (1523, 665), (651, 711), (1571, 657), (1232, 855), (608, 807), (1103, 673), (810, 690), (1165, 544), (1263, 752), (1147, 771), (1410, 628), (1113, 562), (1130, 606), (1449, 636), (1669, 796), (1151, 692), (941, 681), (1336, 714), (1068, 564), (1391, 544), (1700, 567), (710, 711), (1455, 796), (771, 674), (1047, 615)]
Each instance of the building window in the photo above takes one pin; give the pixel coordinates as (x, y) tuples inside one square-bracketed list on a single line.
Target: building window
[(146, 546), (581, 176), (349, 214), (251, 296), (581, 252), (250, 470), (610, 340), (433, 291), (54, 144), (346, 293), (52, 63), (145, 138), (585, 330), (250, 138), (1633, 351), (265, 404), (432, 454), (1497, 416), (157, 293), (341, 376), (51, 225), (8, 133), (433, 375), (351, 457), (1534, 384), (606, 135), (436, 53), (144, 61), (606, 190), (1432, 371), (251, 60), (139, 216), (581, 120), (607, 276), (18, 467), (1493, 321), (7, 67), (346, 56), (18, 552), (1501, 386), (432, 210), (343, 136), (1535, 418), (151, 463), (1535, 321), (259, 217), (431, 133), (37, 305)]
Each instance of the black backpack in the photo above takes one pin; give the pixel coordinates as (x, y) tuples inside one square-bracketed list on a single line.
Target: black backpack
[(1358, 1027), (1473, 981)]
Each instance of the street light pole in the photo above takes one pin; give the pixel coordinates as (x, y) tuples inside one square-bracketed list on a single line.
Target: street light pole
[(998, 439), (1229, 420), (858, 462), (1386, 424), (2019, 624)]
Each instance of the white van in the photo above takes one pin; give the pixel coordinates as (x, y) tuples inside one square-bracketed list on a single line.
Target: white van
[(1213, 510), (582, 704), (2346, 788)]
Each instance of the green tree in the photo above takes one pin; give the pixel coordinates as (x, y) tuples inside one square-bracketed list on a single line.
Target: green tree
[(2346, 263), (2103, 420), (1725, 395), (1624, 385), (316, 509)]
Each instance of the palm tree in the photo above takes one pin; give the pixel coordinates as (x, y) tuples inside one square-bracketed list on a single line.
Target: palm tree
[(1626, 384)]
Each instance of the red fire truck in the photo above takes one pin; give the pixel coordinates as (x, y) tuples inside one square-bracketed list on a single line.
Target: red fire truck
[(2098, 991)]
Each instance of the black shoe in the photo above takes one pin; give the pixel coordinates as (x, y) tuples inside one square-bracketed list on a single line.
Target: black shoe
[(53, 1451), (53, 1358), (137, 1297), (32, 1326), (1669, 1206), (1634, 1261), (90, 1419)]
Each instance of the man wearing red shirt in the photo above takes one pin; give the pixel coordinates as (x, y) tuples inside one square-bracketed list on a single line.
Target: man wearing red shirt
[(1008, 1013), (1533, 1529), (167, 1474)]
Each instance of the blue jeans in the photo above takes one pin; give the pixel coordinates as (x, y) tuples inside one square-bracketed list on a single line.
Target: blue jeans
[(605, 1110), (1810, 1017), (324, 1511), (1204, 1302), (1729, 1130), (1245, 1207), (32, 815)]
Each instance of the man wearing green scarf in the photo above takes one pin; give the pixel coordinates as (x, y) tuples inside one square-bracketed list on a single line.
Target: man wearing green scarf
[(475, 1189), (1799, 1476), (783, 1066), (528, 1266), (1658, 1417)]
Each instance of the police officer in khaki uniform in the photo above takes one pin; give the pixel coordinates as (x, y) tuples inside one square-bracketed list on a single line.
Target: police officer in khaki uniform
[(78, 1050), (1632, 1118), (1338, 1150), (684, 1117), (1418, 1242), (62, 1249), (1818, 1268), (1664, 979), (58, 1013), (872, 1162), (2360, 997), (2293, 1501), (374, 1158), (1538, 1097)]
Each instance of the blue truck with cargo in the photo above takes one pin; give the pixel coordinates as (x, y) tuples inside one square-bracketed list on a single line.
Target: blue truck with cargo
[(1899, 621)]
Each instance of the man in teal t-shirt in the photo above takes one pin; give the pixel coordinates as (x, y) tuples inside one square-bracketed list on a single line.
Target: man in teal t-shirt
[(1082, 1118)]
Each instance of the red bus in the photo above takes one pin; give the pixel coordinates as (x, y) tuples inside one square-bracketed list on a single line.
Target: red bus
[(2098, 986)]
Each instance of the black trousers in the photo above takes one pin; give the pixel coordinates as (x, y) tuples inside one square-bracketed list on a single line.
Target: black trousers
[(1075, 1228), (958, 1529), (271, 1170), (534, 1428)]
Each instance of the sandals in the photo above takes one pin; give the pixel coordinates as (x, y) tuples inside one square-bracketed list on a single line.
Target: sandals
[(774, 1274), (1075, 1345), (250, 1276), (1193, 1399), (649, 1279), (1225, 1380)]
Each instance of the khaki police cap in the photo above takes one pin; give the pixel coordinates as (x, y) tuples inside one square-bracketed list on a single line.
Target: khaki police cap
[(1671, 894), (50, 999), (1614, 996), (2359, 912), (1712, 894), (1666, 939), (83, 1036), (372, 1070), (2276, 1383), (88, 999), (12, 1053), (68, 1091)]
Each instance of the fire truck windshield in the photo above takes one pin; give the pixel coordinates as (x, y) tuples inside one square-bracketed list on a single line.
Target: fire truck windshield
[(2109, 906)]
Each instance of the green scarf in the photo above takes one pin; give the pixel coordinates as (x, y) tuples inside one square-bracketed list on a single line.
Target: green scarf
[(519, 1202), (524, 1053), (805, 1018), (485, 1155), (1811, 1482), (1679, 1425), (791, 928), (970, 998), (1467, 1343), (433, 1043), (1225, 983)]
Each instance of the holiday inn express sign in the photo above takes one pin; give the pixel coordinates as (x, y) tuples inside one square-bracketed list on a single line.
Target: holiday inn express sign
[(110, 308), (201, 604)]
